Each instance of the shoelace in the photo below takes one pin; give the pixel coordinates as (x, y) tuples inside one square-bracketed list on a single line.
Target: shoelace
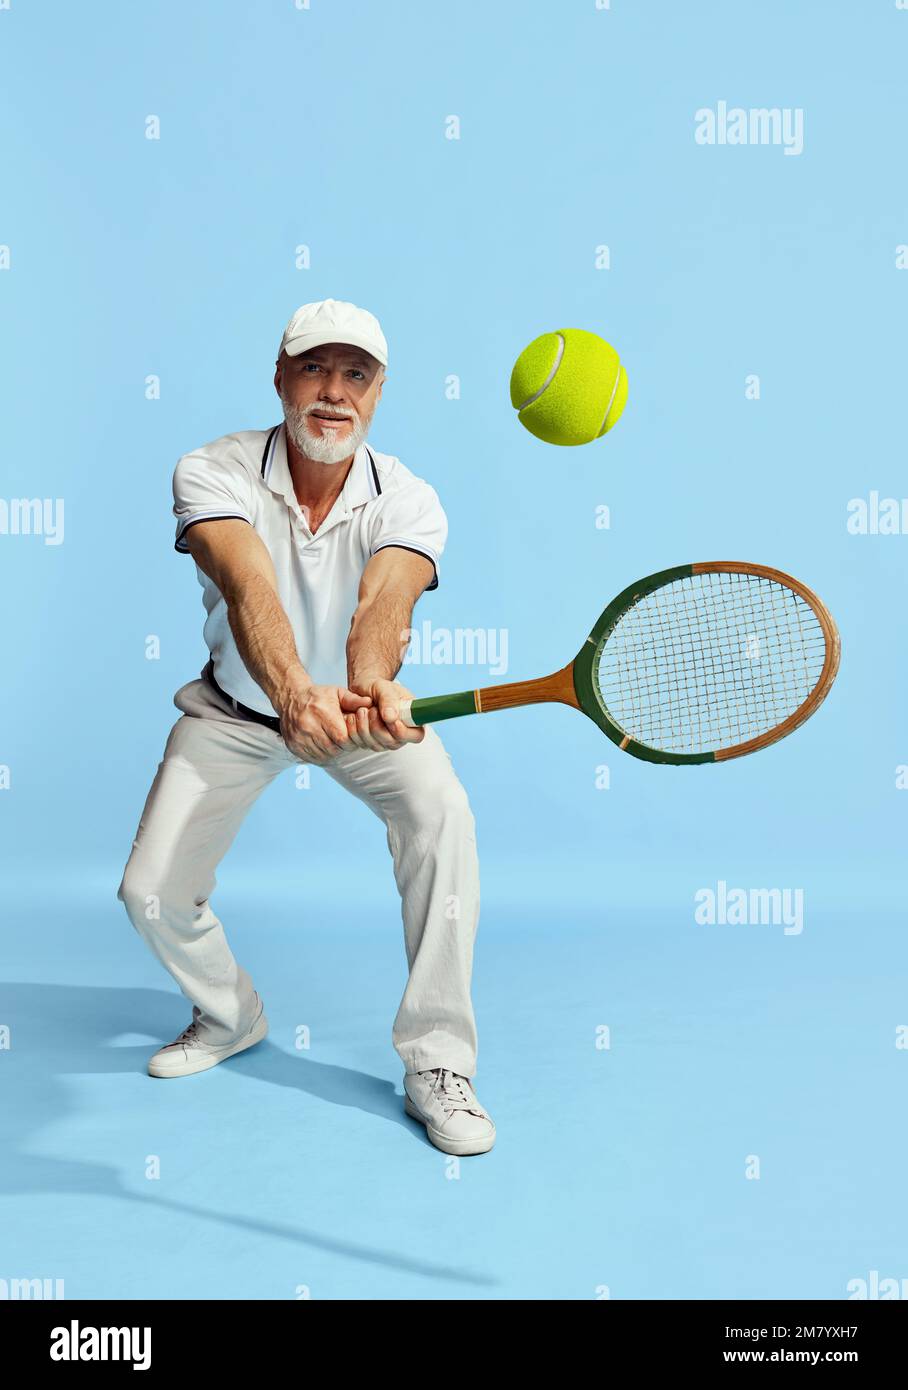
[(188, 1036), (447, 1088)]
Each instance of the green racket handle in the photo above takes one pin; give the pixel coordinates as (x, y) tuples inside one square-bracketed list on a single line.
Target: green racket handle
[(435, 707)]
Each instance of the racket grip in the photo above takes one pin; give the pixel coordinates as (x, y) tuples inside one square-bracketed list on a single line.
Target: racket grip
[(435, 707)]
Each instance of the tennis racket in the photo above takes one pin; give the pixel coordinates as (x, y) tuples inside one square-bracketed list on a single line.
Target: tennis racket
[(694, 664)]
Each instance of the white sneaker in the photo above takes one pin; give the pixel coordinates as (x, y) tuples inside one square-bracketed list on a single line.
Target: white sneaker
[(446, 1104), (190, 1053)]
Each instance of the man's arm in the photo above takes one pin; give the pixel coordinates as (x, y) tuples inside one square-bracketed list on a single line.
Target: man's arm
[(379, 634), (236, 558)]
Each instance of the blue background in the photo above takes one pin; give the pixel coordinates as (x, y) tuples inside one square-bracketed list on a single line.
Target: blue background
[(175, 257)]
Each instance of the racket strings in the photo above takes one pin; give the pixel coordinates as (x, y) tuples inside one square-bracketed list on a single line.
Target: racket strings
[(710, 661)]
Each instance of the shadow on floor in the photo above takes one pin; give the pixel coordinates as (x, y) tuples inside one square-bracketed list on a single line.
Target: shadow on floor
[(60, 1030)]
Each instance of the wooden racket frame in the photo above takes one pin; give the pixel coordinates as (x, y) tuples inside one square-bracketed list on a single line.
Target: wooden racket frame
[(830, 664)]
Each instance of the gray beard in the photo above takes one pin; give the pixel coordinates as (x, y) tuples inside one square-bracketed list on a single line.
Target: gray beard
[(325, 449)]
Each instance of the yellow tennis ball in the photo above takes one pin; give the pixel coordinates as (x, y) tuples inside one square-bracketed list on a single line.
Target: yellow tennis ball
[(568, 387)]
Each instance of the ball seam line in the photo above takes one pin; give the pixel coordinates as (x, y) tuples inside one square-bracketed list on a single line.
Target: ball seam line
[(611, 401), (536, 394)]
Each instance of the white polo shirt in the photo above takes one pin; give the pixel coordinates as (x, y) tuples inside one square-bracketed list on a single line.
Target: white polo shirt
[(247, 475)]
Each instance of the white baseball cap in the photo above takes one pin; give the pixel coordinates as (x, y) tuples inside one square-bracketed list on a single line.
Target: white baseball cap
[(334, 321)]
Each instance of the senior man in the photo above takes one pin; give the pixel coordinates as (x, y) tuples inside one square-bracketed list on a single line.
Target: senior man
[(311, 549)]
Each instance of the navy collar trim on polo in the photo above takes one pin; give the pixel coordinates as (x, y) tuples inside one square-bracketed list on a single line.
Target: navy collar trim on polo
[(267, 450), (375, 483)]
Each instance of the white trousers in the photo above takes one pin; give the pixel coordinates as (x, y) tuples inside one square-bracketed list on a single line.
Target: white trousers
[(215, 765)]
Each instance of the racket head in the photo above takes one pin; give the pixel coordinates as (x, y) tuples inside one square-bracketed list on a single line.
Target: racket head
[(707, 662)]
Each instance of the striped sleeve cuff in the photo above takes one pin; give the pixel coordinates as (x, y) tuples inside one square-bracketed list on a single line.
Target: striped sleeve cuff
[(402, 543), (187, 522)]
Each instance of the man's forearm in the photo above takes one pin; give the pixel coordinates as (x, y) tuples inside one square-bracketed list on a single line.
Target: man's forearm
[(265, 640), (378, 639)]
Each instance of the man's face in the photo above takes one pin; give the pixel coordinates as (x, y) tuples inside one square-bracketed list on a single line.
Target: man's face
[(329, 395)]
